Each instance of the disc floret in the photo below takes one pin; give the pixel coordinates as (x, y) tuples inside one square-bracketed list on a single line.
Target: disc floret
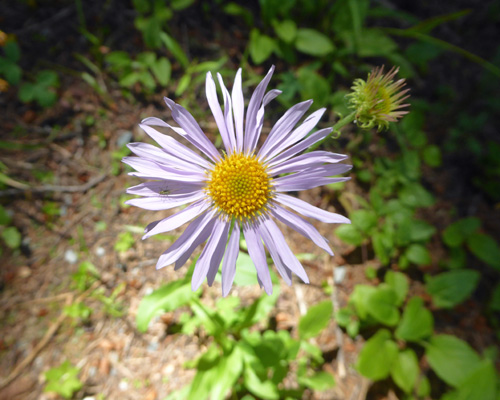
[(239, 186)]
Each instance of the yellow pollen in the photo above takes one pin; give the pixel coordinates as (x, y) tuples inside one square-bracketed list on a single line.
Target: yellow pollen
[(239, 186)]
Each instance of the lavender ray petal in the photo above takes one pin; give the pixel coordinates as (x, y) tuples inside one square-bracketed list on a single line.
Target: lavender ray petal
[(238, 109), (228, 113), (253, 108), (169, 144), (152, 169), (165, 202), (218, 252), (306, 183), (193, 131), (283, 127), (302, 226), (207, 257), (284, 271), (301, 146), (298, 133), (213, 102), (307, 160), (201, 238), (184, 242), (260, 116), (229, 263), (173, 189), (285, 253), (178, 219), (258, 256), (311, 211)]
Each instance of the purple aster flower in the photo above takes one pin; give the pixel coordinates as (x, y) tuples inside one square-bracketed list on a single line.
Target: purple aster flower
[(241, 189)]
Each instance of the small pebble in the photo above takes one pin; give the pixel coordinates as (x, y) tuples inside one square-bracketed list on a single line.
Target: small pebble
[(124, 138), (123, 385), (339, 274), (100, 251), (152, 347), (70, 256)]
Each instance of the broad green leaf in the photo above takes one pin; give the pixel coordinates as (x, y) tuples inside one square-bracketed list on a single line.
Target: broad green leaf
[(229, 370), (167, 298), (414, 195), (374, 42), (258, 311), (26, 92), (382, 305), (360, 297), (451, 288), (485, 248), (417, 322), (5, 218), (432, 156), (245, 271), (319, 381), (12, 51), (363, 220), (495, 298), (261, 46), (399, 283), (418, 254), (161, 70), (286, 30), (381, 243), (11, 237), (313, 86), (349, 234), (130, 79), (419, 230), (455, 234), (377, 356), (47, 78), (480, 384), (315, 320), (405, 370), (314, 43), (264, 389), (452, 359)]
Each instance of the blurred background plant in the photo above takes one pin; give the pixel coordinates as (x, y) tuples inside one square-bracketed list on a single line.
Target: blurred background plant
[(412, 309)]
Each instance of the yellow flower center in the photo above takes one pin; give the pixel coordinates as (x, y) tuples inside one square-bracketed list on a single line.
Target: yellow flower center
[(239, 186)]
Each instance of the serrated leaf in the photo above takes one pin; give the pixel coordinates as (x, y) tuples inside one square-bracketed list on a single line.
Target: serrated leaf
[(480, 384), (405, 370), (363, 220), (377, 356), (451, 288), (417, 322), (452, 359), (314, 43), (415, 196), (315, 320), (349, 234), (382, 305)]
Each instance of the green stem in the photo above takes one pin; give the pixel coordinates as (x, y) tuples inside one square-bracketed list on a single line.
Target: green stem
[(336, 128)]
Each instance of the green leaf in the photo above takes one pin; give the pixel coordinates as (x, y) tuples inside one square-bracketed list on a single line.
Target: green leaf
[(319, 381), (124, 242), (313, 86), (363, 220), (349, 234), (12, 51), (419, 231), (418, 254), (314, 43), (229, 370), (405, 370), (47, 78), (167, 298), (286, 30), (374, 42), (485, 248), (5, 218), (480, 384), (261, 46), (175, 49), (382, 305), (452, 359), (11, 237), (399, 283), (315, 320), (455, 234), (432, 156), (359, 298), (417, 322), (264, 389), (451, 288), (377, 356), (162, 70), (414, 195), (26, 92), (245, 271), (63, 380)]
